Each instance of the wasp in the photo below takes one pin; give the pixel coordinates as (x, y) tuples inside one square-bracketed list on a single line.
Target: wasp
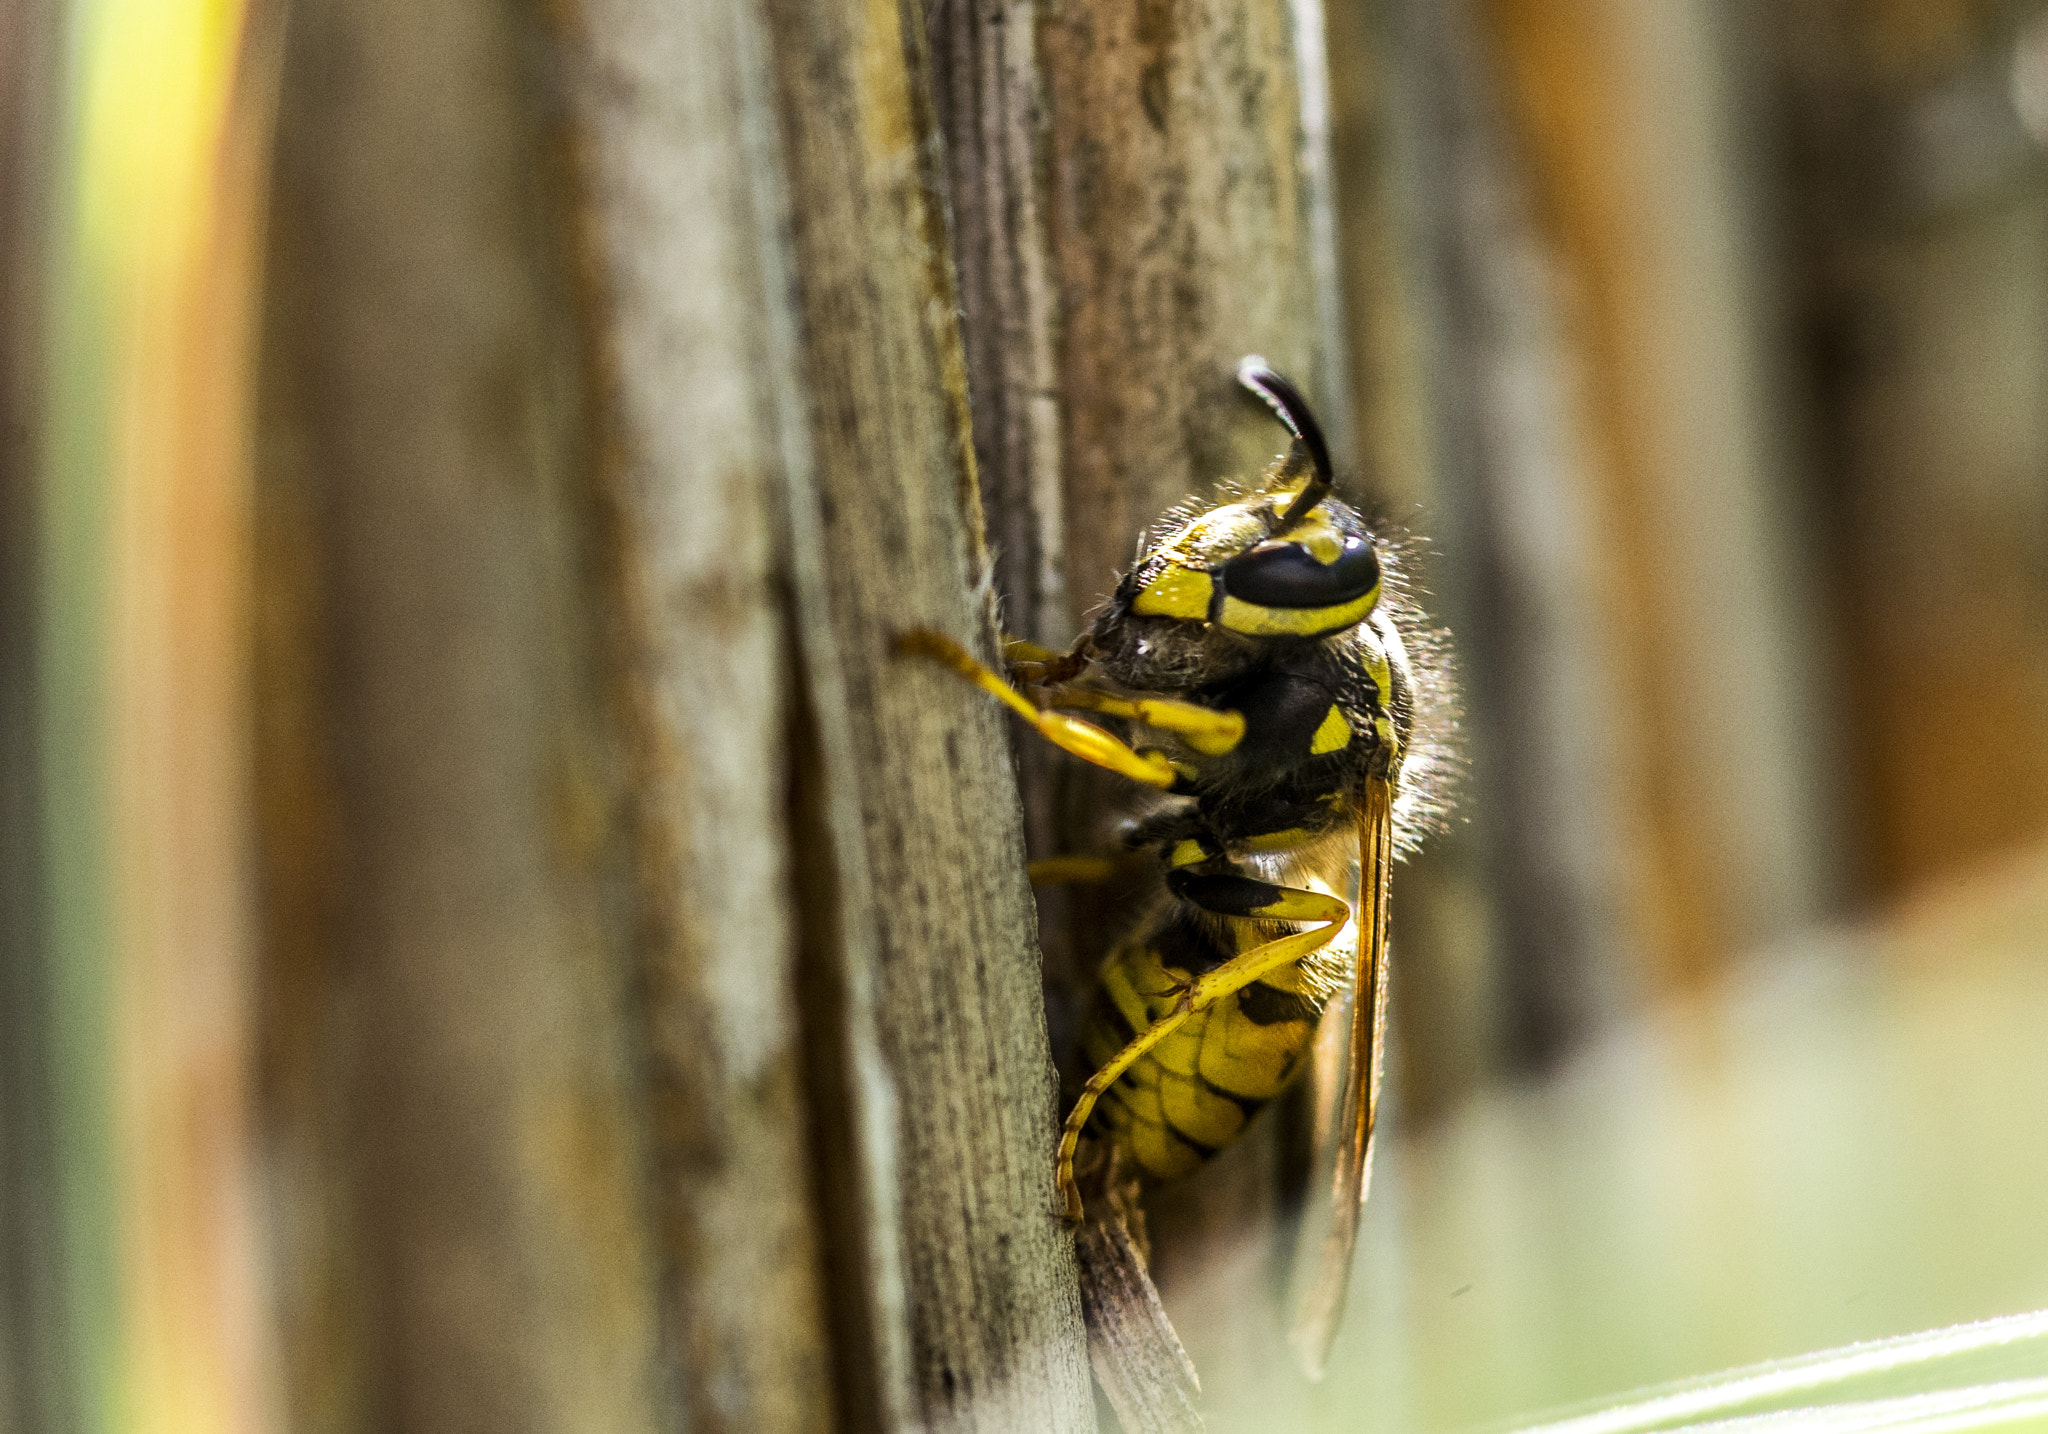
[(1273, 680)]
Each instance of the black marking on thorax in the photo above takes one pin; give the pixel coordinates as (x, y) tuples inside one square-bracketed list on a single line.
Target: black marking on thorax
[(1282, 713)]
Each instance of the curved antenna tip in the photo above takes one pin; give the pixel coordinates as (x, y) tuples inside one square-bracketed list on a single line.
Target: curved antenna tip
[(1291, 408)]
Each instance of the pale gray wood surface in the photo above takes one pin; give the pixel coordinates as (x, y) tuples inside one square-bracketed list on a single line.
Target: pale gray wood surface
[(1151, 1392), (995, 1316), (657, 1040), (460, 1064), (685, 254)]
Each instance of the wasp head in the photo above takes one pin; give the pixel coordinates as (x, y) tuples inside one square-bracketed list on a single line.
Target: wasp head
[(1286, 563)]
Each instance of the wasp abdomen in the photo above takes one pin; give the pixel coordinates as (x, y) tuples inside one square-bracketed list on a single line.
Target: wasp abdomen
[(1193, 1093)]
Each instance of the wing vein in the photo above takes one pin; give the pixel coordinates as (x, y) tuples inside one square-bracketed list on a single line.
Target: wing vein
[(1322, 1305)]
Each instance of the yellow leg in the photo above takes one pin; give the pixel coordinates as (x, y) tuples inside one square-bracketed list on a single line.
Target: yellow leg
[(1102, 1080), (1033, 663), (1208, 731), (1079, 870), (1084, 739), (1018, 649), (1291, 903)]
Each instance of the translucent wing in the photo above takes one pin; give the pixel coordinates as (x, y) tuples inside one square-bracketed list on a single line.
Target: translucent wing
[(1322, 1301)]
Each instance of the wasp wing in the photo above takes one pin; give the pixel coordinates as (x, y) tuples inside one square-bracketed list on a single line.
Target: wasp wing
[(1322, 1302)]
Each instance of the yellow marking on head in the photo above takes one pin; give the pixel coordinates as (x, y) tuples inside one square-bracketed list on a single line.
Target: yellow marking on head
[(1187, 853), (1217, 535), (1333, 736), (1286, 484), (1255, 621), (1177, 592), (1315, 529)]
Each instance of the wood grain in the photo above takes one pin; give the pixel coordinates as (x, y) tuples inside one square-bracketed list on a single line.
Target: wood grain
[(995, 1315), (1143, 198), (1127, 1328), (461, 1092), (680, 178)]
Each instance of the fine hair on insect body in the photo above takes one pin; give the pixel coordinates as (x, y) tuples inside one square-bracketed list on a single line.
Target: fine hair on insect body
[(1264, 670)]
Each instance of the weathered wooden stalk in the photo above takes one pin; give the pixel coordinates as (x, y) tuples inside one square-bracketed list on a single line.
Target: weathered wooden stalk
[(652, 967), (1141, 196)]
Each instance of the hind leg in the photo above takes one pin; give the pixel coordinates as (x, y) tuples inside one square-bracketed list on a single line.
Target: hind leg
[(1223, 894)]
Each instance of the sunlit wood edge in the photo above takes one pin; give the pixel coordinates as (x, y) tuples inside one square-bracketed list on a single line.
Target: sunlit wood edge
[(1936, 1403)]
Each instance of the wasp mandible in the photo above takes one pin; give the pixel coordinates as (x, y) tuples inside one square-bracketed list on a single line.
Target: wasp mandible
[(1275, 680)]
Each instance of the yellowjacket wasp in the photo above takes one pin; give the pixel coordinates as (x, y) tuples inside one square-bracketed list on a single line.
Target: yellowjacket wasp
[(1276, 681)]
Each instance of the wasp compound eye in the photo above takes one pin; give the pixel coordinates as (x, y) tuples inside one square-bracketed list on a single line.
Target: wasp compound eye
[(1289, 575)]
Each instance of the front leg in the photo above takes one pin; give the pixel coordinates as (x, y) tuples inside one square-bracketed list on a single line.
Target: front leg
[(1036, 665), (1084, 739), (1208, 731)]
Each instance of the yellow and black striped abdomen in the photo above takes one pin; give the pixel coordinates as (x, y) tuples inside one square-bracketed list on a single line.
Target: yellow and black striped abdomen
[(1191, 1095)]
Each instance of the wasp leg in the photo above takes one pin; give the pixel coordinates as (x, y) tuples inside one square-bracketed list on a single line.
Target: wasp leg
[(1022, 649), (1208, 731), (1035, 664), (1084, 739), (1081, 870), (1225, 894)]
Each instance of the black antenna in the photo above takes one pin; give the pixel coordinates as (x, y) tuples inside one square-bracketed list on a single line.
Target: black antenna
[(1291, 409)]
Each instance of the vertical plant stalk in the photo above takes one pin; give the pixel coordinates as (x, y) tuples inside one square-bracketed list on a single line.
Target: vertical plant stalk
[(42, 1363), (1527, 596), (703, 456), (996, 1339), (140, 682), (1915, 285), (989, 88), (1143, 198), (682, 926), (1633, 126), (458, 1071)]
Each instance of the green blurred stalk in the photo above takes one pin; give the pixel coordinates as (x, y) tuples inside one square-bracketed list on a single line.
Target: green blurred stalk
[(1988, 1375), (75, 813)]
